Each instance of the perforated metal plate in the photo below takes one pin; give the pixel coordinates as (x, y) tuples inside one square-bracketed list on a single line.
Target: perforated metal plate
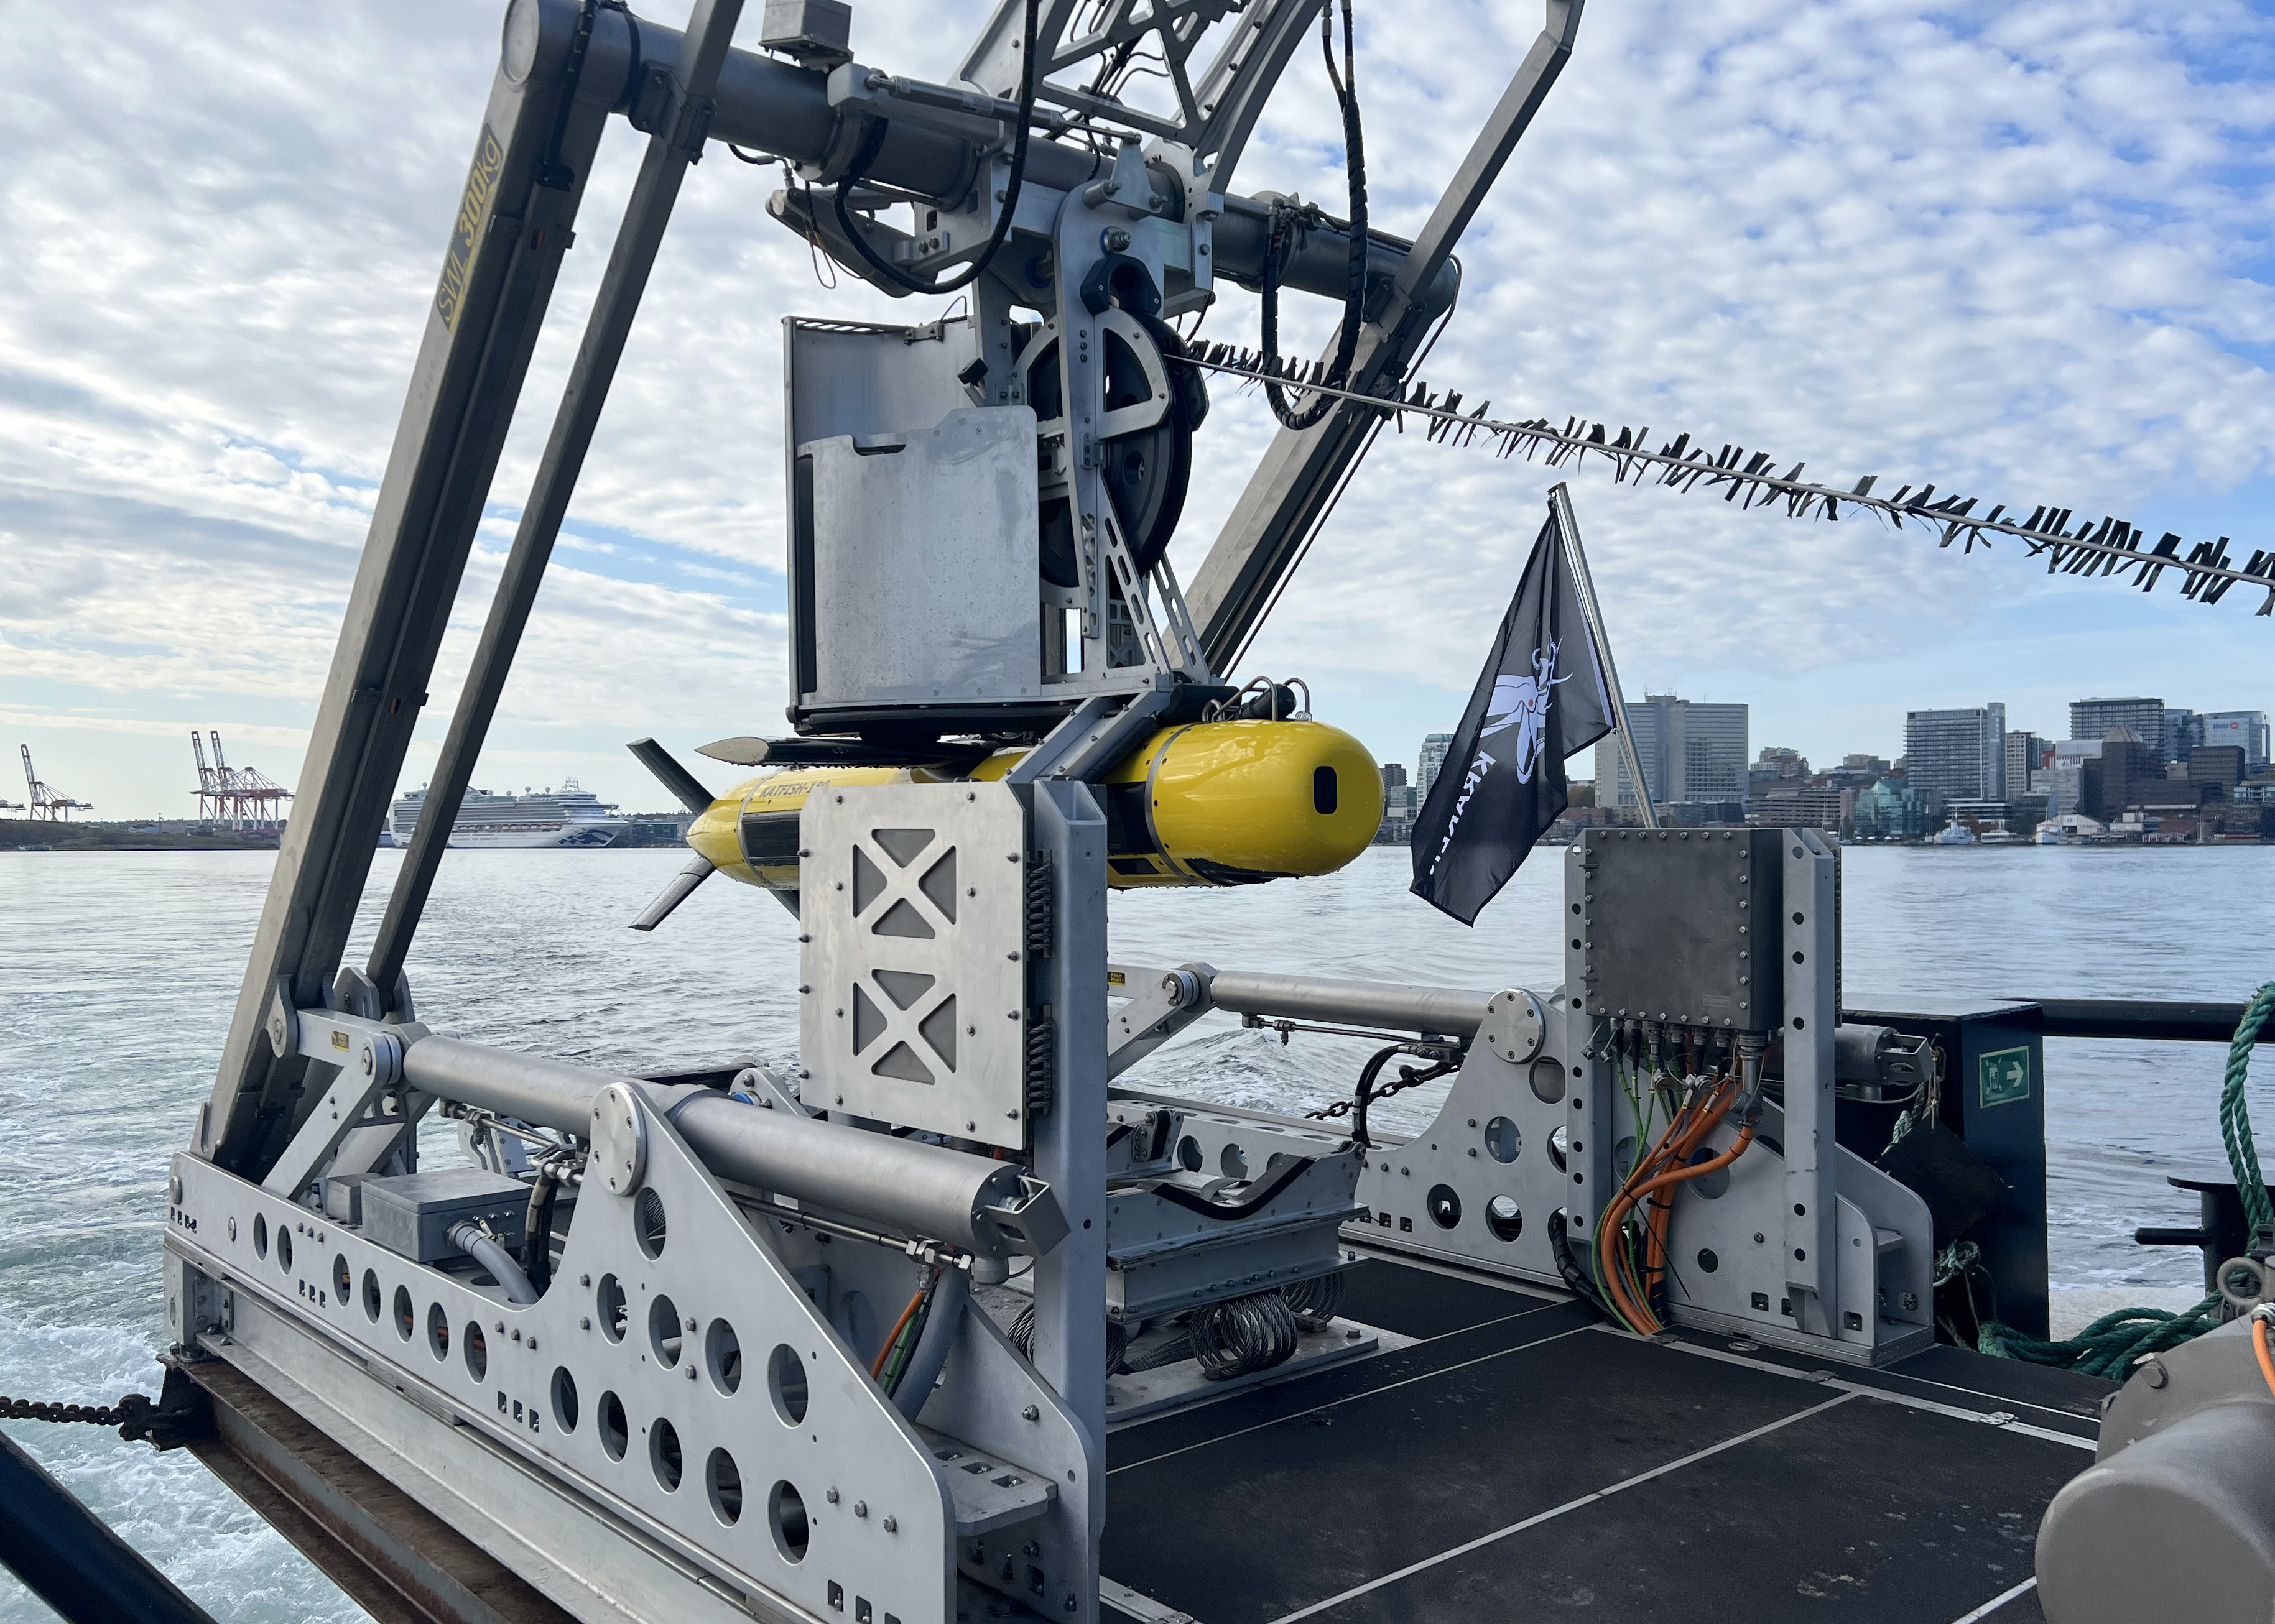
[(914, 1008)]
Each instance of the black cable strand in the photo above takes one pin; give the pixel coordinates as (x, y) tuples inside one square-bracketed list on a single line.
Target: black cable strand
[(1011, 189), (1346, 87)]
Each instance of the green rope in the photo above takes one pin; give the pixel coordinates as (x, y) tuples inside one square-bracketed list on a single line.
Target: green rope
[(2235, 1119), (2113, 1343)]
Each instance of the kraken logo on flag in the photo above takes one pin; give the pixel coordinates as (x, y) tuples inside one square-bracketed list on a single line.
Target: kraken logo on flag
[(1522, 702), (1545, 680)]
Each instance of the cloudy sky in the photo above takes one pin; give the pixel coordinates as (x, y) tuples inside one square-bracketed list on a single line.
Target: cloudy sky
[(2020, 250)]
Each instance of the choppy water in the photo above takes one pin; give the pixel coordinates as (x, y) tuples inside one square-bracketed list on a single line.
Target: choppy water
[(117, 972)]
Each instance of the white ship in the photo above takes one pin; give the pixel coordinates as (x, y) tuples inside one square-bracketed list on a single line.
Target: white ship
[(569, 816)]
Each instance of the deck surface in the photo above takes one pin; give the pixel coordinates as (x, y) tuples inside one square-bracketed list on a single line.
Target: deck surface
[(1522, 1462)]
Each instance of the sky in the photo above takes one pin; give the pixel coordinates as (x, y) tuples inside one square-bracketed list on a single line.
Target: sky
[(2020, 250)]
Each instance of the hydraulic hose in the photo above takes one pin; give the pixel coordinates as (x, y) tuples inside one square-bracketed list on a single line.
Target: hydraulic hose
[(939, 1335), (1346, 87), (483, 1248)]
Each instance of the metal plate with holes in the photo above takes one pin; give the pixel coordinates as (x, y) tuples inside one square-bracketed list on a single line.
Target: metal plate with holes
[(676, 1391), (988, 1494), (1514, 1025), (914, 973)]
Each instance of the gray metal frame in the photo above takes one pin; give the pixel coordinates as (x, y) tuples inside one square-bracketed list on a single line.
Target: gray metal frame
[(992, 1478)]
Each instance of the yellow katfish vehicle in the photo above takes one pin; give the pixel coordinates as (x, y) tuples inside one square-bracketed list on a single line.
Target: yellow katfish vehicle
[(1228, 803)]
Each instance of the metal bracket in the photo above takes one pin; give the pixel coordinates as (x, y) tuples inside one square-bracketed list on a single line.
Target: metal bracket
[(366, 1062), (1153, 1015)]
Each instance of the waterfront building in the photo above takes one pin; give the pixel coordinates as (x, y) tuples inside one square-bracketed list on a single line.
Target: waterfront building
[(1793, 805), (1693, 755), (1957, 755), (2091, 719), (1434, 746), (2246, 730), (1890, 809), (1394, 775)]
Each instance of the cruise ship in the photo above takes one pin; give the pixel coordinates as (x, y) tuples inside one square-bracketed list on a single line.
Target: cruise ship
[(569, 816)]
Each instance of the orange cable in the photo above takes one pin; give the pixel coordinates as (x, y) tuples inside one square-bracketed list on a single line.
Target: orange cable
[(1674, 1142), (877, 1369), (1677, 1143)]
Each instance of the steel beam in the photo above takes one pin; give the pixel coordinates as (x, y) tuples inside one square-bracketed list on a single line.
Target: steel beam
[(676, 143), (1289, 496), (530, 158)]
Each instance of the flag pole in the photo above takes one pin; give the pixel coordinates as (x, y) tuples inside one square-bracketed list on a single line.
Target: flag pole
[(1559, 503)]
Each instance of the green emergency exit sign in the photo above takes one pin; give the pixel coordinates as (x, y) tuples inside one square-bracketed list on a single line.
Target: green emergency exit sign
[(2002, 1077)]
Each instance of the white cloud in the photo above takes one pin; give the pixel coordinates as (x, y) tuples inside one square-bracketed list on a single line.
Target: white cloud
[(2017, 248)]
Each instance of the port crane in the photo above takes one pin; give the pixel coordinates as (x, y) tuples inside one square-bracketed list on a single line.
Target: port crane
[(48, 804), (240, 797), (648, 1358)]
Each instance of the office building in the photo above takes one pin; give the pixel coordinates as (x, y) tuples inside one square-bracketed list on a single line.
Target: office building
[(2246, 730), (2027, 756), (1692, 753), (1796, 805), (1394, 775), (1957, 755), (1434, 746), (2183, 732), (2092, 718), (2218, 766), (1890, 809)]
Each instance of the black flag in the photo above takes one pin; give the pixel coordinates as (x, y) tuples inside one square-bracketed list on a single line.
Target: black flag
[(1542, 697)]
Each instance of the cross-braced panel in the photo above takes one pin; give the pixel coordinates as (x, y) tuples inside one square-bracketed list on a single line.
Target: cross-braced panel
[(914, 990)]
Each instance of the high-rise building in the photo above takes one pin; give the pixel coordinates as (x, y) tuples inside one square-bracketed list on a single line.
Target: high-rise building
[(2183, 732), (2092, 718), (1691, 751), (1957, 755), (2246, 730), (1394, 775), (2027, 756), (1434, 746)]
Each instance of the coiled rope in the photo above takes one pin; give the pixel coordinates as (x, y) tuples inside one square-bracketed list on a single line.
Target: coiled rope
[(2112, 1344)]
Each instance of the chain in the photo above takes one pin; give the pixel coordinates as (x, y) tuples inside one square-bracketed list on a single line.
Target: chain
[(32, 1409), (1409, 1076)]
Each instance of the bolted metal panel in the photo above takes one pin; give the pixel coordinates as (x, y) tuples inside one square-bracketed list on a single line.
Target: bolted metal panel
[(1680, 926), (914, 1008)]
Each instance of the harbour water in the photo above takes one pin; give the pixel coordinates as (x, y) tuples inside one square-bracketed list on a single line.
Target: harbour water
[(117, 972)]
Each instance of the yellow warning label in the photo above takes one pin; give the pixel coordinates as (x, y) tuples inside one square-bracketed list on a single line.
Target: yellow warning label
[(466, 233), (339, 1039), (1114, 977)]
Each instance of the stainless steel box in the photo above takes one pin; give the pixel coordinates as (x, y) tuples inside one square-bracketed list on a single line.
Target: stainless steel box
[(413, 1213), (1682, 926)]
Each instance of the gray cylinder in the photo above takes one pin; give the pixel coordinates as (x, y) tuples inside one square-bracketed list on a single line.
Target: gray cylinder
[(895, 1184), (2178, 1525), (1453, 1011), (777, 106)]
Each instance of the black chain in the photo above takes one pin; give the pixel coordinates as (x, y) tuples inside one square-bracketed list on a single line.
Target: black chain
[(33, 1409), (1408, 1077)]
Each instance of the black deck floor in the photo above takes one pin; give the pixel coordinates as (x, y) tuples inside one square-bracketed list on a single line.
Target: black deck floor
[(1522, 1461)]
